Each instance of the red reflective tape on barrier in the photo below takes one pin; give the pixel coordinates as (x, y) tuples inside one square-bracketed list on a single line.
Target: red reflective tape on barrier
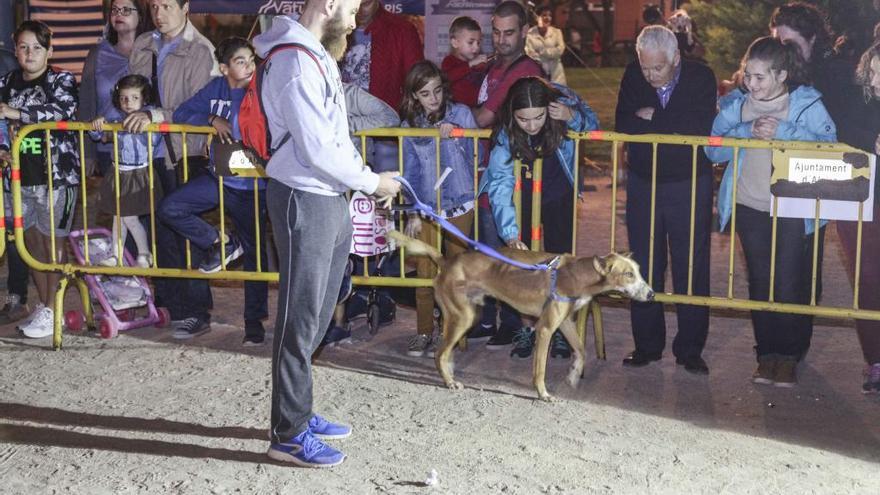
[(517, 186), (164, 127), (17, 222), (597, 135), (537, 186), (536, 233), (16, 174), (456, 133), (715, 140), (62, 125), (2, 222)]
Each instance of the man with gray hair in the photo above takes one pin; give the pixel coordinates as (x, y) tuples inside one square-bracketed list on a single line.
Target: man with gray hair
[(662, 94)]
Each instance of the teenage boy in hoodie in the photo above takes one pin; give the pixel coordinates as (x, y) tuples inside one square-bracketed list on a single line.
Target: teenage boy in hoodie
[(314, 165), (217, 105)]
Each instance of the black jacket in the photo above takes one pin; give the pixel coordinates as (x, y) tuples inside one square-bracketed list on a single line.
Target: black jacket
[(690, 111)]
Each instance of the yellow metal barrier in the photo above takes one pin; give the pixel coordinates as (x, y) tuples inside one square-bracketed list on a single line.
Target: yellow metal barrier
[(75, 271)]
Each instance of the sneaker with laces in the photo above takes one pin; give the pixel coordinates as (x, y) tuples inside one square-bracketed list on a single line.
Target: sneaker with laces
[(214, 260), (13, 310), (480, 332), (436, 341), (765, 374), (144, 260), (523, 343), (786, 372), (356, 306), (191, 327), (306, 450), (872, 379), (327, 430), (559, 347), (502, 338), (254, 333), (336, 334), (41, 325), (418, 345)]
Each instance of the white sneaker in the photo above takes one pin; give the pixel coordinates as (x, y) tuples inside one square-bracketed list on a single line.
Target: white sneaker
[(43, 324), (25, 322), (145, 260)]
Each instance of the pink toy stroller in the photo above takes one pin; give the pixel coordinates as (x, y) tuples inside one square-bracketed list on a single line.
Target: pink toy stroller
[(121, 299)]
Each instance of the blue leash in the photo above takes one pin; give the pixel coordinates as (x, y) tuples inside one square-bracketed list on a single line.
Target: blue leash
[(427, 211)]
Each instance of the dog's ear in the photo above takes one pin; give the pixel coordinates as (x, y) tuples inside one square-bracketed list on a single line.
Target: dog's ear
[(627, 254), (600, 263)]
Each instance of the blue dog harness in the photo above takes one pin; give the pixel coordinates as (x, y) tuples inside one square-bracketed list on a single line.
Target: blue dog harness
[(551, 266)]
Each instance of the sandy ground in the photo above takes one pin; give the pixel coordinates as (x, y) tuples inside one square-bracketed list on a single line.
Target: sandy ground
[(144, 413)]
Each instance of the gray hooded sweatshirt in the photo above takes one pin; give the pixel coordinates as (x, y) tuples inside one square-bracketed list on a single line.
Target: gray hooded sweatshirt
[(319, 157)]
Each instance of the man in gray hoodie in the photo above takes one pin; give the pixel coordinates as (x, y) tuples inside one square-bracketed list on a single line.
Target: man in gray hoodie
[(314, 164)]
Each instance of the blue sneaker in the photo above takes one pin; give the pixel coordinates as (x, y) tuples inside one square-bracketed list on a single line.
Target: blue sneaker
[(306, 450), (326, 430)]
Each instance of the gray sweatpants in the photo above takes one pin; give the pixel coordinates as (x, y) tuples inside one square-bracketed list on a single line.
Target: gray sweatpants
[(313, 237)]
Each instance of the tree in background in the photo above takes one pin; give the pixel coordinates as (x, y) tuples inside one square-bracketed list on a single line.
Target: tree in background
[(727, 27)]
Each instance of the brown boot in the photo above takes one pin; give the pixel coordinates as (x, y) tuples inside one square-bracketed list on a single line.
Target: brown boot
[(786, 375), (765, 374)]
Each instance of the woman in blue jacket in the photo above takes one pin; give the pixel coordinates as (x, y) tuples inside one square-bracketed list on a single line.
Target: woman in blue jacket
[(775, 105), (533, 123)]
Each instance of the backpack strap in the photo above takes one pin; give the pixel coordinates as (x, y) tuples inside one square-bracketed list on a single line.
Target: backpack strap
[(286, 46)]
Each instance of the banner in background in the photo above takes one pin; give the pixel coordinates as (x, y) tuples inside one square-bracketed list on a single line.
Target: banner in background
[(269, 7)]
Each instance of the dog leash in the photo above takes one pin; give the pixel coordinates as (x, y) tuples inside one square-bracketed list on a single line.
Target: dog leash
[(418, 206)]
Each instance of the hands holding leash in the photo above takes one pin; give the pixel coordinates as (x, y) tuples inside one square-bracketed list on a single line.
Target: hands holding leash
[(517, 244), (388, 188)]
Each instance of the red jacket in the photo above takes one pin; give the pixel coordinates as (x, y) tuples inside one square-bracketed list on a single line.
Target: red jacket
[(396, 46)]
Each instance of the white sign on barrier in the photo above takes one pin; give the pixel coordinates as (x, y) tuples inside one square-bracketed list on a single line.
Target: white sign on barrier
[(371, 227)]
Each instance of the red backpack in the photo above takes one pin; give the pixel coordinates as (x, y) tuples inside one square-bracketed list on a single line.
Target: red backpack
[(252, 121)]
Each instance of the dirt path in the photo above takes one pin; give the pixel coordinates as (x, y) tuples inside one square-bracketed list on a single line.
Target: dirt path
[(146, 414)]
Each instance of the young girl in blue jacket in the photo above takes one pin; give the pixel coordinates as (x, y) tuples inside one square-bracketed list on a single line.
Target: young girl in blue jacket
[(533, 123), (426, 104), (776, 104), (132, 93)]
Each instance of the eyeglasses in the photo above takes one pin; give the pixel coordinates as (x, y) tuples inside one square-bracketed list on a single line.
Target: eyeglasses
[(123, 11)]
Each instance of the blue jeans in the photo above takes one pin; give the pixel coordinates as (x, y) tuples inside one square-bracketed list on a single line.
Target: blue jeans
[(180, 211), (184, 298)]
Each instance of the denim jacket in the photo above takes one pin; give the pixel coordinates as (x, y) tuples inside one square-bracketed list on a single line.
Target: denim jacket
[(420, 161), (807, 121), (498, 180), (132, 146)]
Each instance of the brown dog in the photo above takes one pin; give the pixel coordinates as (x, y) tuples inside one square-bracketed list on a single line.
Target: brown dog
[(465, 279)]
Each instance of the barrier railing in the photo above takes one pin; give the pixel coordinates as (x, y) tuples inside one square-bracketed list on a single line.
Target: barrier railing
[(73, 271)]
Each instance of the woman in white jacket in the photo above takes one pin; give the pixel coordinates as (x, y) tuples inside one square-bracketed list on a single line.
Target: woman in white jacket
[(546, 44)]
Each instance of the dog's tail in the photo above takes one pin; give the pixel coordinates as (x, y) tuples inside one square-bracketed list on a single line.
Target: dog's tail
[(416, 247)]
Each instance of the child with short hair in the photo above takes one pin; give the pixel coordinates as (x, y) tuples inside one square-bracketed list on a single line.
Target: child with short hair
[(465, 65), (776, 103), (37, 92), (217, 105), (132, 93)]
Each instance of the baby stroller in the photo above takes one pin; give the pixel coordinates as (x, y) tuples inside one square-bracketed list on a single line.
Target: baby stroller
[(120, 298), (368, 240)]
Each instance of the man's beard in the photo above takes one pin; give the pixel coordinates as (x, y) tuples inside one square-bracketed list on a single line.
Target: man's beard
[(335, 38)]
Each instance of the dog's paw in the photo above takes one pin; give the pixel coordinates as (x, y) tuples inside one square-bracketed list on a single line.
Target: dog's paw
[(454, 385), (574, 376), (547, 398)]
